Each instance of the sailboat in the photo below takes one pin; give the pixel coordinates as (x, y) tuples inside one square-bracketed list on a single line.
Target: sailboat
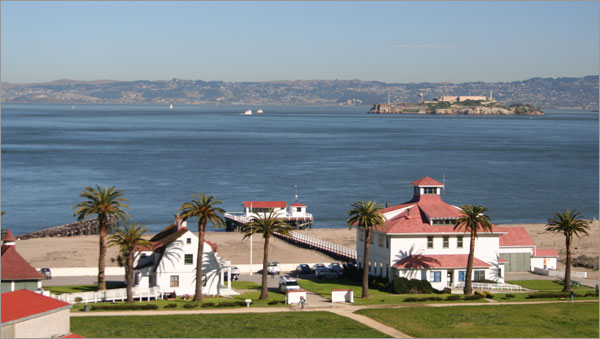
[(171, 107), (248, 112), (259, 111)]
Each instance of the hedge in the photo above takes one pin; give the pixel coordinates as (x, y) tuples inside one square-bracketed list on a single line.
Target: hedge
[(124, 307)]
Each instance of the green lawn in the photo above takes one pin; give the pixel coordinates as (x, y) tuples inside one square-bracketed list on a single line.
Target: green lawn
[(245, 285), (556, 320), (244, 325), (543, 285), (323, 287), (81, 288)]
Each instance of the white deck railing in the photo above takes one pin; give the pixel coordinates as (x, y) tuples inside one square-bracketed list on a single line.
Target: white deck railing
[(117, 294), (492, 287), (321, 245)]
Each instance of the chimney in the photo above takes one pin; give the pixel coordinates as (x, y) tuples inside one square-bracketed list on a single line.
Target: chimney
[(387, 204)]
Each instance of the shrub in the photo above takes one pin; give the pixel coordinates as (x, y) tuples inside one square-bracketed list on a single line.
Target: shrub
[(125, 307), (190, 305), (413, 285), (400, 285), (473, 297), (207, 304), (481, 293), (413, 299), (424, 286), (489, 295), (508, 296), (170, 306), (275, 302), (552, 295), (453, 297), (590, 294), (78, 300)]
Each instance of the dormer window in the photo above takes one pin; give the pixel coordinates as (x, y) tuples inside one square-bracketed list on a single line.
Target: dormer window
[(444, 221), (430, 190)]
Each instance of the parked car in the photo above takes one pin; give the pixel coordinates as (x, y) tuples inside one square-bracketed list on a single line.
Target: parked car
[(335, 266), (327, 273), (288, 283), (316, 266), (303, 268), (235, 273), (273, 268), (46, 272)]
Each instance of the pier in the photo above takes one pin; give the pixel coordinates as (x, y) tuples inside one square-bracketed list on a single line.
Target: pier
[(329, 248)]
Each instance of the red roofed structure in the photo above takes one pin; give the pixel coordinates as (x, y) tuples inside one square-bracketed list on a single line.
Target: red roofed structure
[(17, 273), (515, 236), (294, 214), (439, 261), (26, 314), (545, 252), (265, 204)]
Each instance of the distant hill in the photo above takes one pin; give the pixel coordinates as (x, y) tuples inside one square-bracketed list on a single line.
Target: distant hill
[(572, 93)]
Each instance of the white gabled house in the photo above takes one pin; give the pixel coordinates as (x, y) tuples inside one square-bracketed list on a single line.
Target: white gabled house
[(418, 241), (170, 263)]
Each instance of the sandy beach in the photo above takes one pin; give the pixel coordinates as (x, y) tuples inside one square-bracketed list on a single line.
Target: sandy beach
[(82, 251)]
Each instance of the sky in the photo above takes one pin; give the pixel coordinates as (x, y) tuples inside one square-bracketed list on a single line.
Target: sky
[(394, 42)]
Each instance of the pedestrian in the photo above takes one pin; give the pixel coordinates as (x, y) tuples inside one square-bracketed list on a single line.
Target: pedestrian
[(302, 300), (572, 295)]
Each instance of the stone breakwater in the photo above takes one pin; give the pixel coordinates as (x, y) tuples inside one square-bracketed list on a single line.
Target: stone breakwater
[(459, 110), (84, 227)]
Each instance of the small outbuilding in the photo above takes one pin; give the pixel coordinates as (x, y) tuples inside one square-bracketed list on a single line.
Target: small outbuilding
[(17, 273)]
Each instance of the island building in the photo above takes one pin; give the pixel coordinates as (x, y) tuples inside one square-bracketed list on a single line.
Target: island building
[(17, 273), (418, 241), (294, 214), (169, 262)]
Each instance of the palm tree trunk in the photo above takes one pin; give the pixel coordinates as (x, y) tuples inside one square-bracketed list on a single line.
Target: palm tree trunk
[(567, 287), (468, 290), (102, 255), (198, 295), (130, 276), (264, 292), (365, 279)]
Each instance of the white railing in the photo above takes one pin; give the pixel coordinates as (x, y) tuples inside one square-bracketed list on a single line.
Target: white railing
[(237, 216), (322, 245), (492, 287), (117, 294)]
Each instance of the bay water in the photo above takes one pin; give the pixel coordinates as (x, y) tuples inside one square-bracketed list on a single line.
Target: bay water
[(522, 168)]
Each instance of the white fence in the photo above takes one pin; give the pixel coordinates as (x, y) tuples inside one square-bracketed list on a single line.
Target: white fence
[(559, 274), (117, 294), (492, 287), (318, 244)]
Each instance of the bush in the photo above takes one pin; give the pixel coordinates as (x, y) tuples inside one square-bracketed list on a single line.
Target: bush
[(590, 294), (400, 285), (453, 297), (509, 296), (489, 295), (481, 293), (552, 295), (473, 297), (170, 306), (413, 285), (424, 286), (117, 307), (275, 302), (190, 305), (207, 304), (585, 261), (412, 299), (78, 300), (231, 303)]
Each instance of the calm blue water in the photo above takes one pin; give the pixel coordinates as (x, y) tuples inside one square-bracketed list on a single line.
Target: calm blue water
[(523, 169)]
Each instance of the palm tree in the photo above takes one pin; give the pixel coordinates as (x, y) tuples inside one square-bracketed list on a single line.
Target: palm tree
[(366, 215), (106, 203), (570, 224), (127, 238), (204, 209), (267, 224), (472, 221)]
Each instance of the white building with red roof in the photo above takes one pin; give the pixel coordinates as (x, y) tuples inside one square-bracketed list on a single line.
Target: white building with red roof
[(418, 241), (294, 214), (170, 263), (17, 273), (26, 314)]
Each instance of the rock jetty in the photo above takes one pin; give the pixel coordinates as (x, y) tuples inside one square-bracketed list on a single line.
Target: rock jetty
[(84, 227)]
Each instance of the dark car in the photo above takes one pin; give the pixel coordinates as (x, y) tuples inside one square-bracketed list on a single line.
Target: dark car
[(46, 272), (303, 269)]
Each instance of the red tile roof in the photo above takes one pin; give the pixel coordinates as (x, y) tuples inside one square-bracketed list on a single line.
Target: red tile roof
[(435, 207), (14, 267), (73, 335), (24, 303), (212, 245), (426, 181), (297, 204), (515, 236), (9, 236), (545, 252), (265, 204), (500, 260), (438, 261)]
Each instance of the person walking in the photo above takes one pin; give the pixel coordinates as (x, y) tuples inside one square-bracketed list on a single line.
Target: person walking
[(302, 301)]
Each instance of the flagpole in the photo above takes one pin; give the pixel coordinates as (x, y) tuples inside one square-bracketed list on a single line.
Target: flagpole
[(251, 244)]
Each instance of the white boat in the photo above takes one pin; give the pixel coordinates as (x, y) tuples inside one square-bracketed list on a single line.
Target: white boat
[(248, 112), (259, 111), (171, 107)]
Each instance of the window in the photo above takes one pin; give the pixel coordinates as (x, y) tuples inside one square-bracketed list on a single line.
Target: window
[(174, 281), (381, 239), (387, 270), (375, 268), (461, 275), (298, 209), (188, 240), (479, 275), (362, 235), (189, 259), (459, 242), (429, 242), (387, 242), (444, 221), (446, 241), (435, 276), (430, 190), (204, 280)]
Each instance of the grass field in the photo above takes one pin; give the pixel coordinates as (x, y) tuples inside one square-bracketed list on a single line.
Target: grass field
[(543, 285), (244, 325), (81, 288), (324, 287), (556, 320)]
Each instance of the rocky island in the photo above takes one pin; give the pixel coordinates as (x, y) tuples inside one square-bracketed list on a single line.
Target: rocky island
[(468, 105)]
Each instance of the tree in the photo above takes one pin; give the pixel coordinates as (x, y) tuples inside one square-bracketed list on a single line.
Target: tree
[(127, 238), (570, 224), (106, 203), (366, 215), (473, 220), (266, 224), (204, 209)]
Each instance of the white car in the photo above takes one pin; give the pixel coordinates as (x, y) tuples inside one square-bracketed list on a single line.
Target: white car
[(288, 283), (273, 268)]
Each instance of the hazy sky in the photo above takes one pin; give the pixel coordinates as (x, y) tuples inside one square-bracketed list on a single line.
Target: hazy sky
[(260, 41)]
